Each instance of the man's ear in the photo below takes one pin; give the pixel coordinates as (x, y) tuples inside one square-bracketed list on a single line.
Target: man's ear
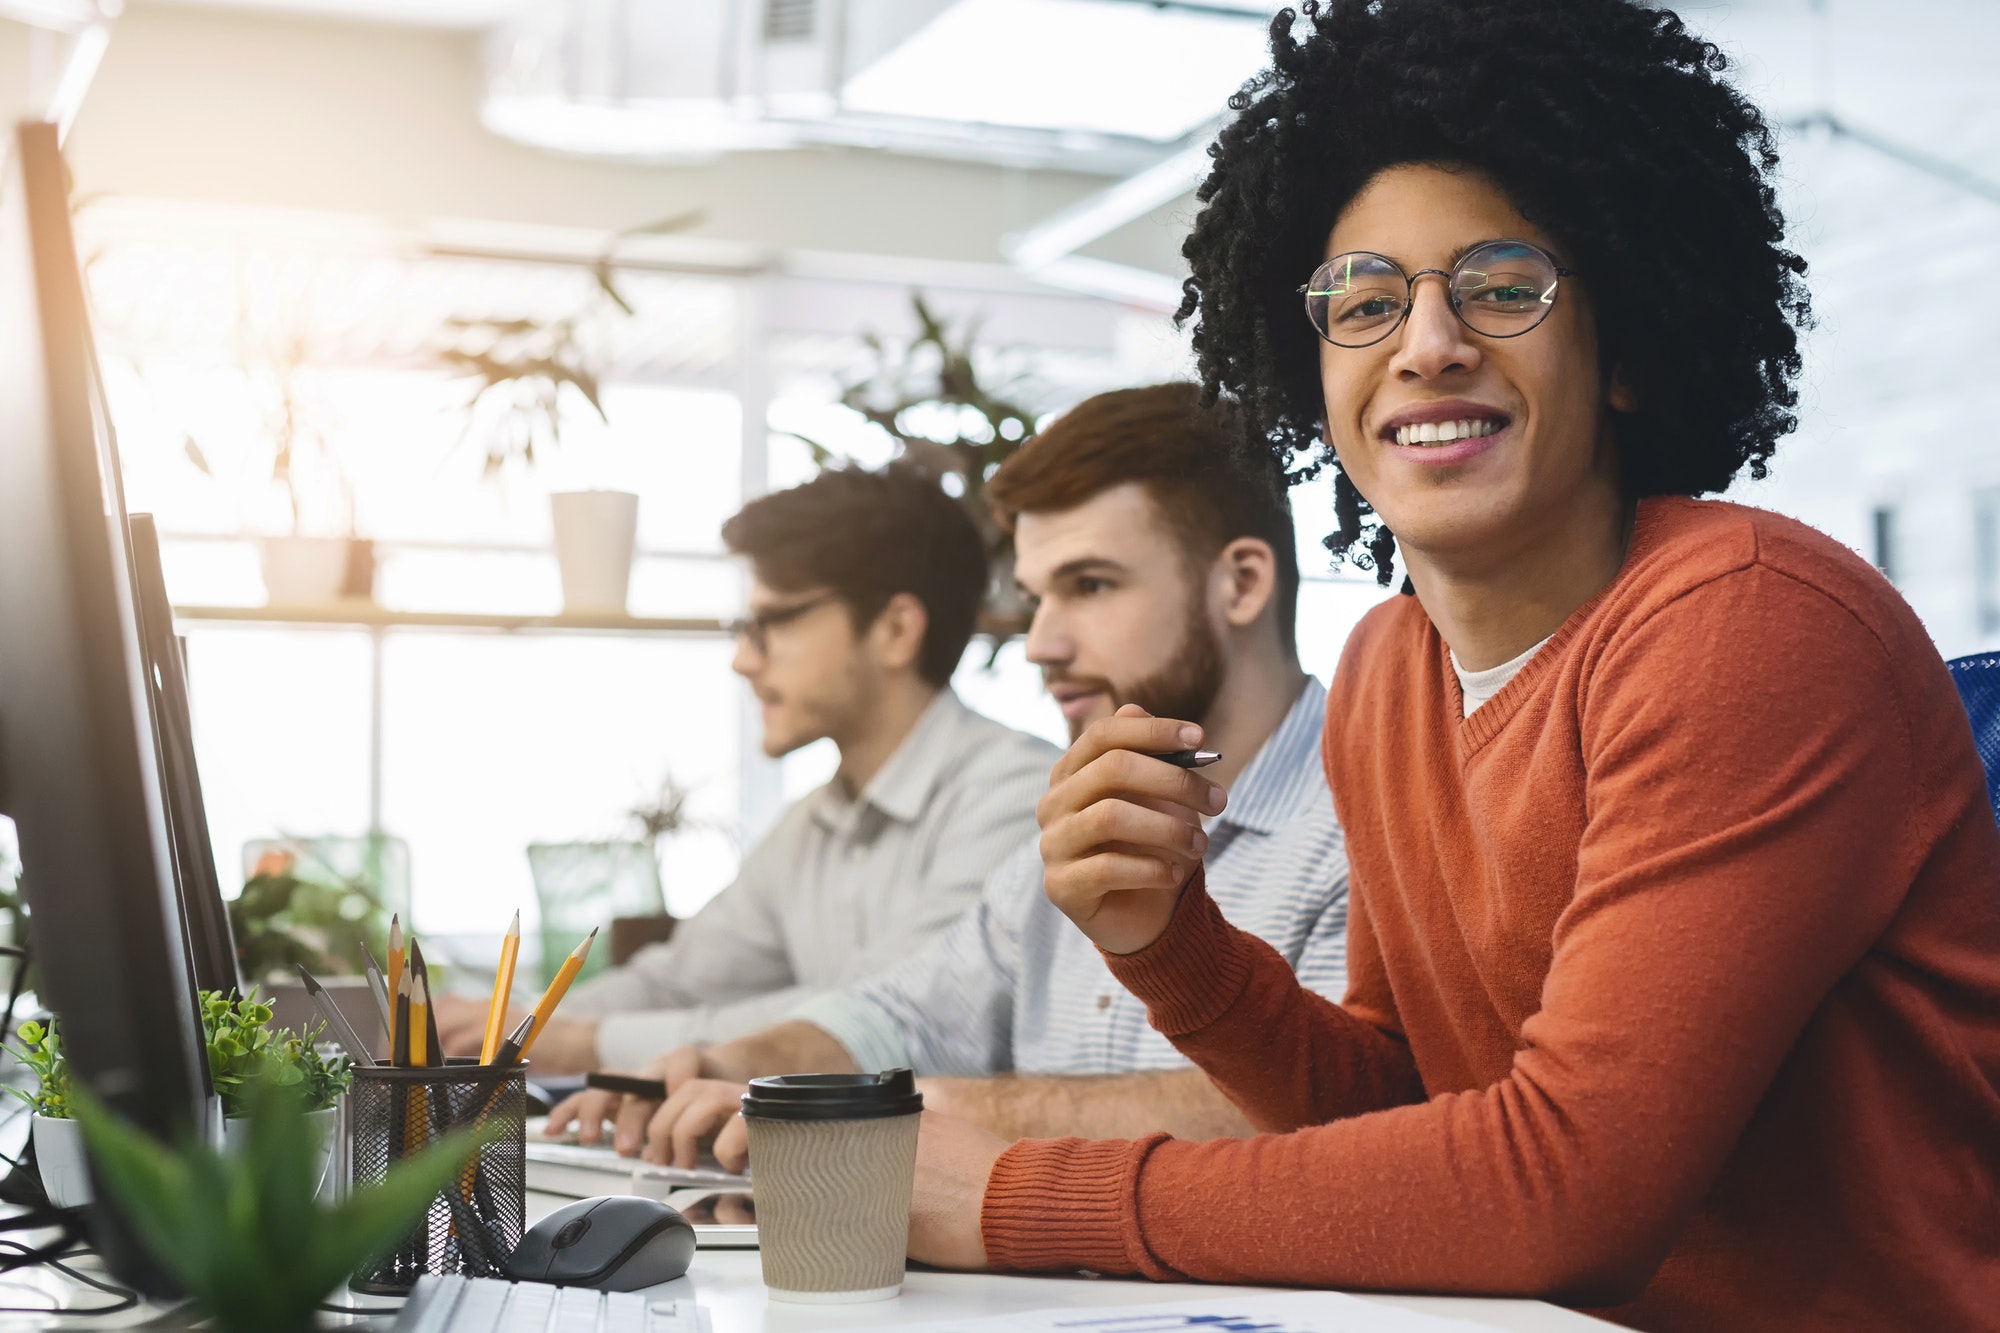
[(1619, 395), (899, 630), (1247, 571)]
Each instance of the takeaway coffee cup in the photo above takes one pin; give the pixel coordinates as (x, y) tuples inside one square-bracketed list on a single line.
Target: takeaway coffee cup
[(833, 1157)]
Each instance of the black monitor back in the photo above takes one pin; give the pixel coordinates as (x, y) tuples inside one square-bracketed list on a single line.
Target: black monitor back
[(78, 771), (204, 918)]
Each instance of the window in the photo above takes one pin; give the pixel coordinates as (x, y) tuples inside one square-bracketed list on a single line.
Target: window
[(1986, 556), (1885, 540)]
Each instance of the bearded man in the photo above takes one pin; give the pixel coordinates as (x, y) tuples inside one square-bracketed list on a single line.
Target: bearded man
[(1161, 564)]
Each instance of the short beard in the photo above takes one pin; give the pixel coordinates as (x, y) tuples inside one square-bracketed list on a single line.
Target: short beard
[(1185, 688)]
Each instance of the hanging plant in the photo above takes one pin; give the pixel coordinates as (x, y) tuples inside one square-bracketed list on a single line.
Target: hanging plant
[(946, 423)]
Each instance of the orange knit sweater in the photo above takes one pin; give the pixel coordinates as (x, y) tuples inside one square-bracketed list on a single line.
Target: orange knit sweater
[(1675, 979)]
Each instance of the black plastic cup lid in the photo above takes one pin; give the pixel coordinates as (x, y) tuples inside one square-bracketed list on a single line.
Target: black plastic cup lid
[(833, 1096)]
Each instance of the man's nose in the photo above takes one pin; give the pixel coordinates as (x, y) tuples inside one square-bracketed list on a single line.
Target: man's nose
[(747, 659), (1433, 341), (1048, 644)]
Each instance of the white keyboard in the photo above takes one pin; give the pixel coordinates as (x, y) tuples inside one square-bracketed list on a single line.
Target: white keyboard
[(490, 1305)]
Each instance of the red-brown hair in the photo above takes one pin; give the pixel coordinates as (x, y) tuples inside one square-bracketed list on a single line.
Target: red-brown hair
[(1208, 487)]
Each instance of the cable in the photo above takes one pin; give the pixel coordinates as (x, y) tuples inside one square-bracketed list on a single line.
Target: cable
[(127, 1298), (68, 1233)]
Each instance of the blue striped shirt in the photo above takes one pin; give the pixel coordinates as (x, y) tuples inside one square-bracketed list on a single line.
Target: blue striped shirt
[(1012, 985)]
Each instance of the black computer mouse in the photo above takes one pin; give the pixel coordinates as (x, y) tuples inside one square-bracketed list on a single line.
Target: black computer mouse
[(617, 1243)]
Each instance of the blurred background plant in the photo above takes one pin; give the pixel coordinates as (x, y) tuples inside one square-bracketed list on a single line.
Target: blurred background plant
[(947, 423), (517, 368), (663, 815), (279, 367), (245, 1051), (243, 1230), (297, 910)]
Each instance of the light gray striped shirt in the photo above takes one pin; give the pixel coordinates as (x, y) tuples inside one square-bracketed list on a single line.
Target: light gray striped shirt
[(1013, 985), (839, 889)]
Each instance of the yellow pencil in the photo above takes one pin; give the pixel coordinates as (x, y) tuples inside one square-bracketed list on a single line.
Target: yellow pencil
[(395, 952), (420, 1011), (503, 987), (557, 989)]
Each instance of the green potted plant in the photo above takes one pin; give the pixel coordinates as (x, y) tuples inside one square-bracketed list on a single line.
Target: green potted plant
[(518, 370), (58, 1142), (246, 1053), (244, 1231)]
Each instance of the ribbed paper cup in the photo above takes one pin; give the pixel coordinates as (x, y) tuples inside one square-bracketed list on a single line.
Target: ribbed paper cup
[(834, 1157)]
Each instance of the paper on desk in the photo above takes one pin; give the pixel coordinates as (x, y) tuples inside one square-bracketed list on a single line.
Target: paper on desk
[(1287, 1312)]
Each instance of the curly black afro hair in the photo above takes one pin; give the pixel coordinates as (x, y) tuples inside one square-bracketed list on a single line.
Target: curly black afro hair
[(1606, 123)]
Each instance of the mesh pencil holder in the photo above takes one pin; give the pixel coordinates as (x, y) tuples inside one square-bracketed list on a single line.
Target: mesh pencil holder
[(472, 1225)]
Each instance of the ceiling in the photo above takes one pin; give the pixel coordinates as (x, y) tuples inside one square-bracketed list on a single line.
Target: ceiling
[(471, 14)]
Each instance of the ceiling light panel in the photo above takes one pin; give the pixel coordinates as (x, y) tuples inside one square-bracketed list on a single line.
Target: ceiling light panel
[(1101, 66)]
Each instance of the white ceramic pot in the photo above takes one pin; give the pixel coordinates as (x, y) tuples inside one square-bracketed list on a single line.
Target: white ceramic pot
[(303, 571), (59, 1157), (326, 1125), (596, 533)]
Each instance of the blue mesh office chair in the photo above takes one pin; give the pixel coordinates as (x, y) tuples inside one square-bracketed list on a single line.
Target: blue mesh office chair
[(1978, 681)]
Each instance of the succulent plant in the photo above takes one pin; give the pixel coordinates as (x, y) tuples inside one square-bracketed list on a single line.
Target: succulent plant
[(43, 1053), (244, 1050)]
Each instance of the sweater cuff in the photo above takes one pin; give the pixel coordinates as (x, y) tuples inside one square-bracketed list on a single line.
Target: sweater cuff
[(1056, 1205), (1189, 976)]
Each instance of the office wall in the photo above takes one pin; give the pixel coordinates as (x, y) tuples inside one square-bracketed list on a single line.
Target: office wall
[(223, 105), (14, 70)]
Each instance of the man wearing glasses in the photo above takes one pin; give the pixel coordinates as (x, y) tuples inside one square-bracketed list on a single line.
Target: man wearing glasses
[(864, 590), (1162, 565), (1674, 960)]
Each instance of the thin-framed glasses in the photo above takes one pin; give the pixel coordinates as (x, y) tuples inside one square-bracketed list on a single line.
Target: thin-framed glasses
[(756, 630), (1500, 289)]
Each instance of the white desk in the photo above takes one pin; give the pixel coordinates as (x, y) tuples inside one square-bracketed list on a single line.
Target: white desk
[(729, 1285)]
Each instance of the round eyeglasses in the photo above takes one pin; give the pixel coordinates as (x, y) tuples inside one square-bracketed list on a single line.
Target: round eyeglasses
[(1500, 289)]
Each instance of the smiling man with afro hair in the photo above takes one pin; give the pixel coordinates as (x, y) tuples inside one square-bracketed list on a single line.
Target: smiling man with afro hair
[(1674, 944)]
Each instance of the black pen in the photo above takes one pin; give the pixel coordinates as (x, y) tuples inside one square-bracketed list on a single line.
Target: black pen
[(653, 1088), (510, 1049), (1188, 758)]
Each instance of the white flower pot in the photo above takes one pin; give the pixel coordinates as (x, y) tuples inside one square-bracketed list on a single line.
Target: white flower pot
[(59, 1157), (596, 533), (303, 571), (326, 1125)]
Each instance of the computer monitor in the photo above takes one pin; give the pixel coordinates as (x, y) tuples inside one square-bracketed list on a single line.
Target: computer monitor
[(204, 919), (78, 770)]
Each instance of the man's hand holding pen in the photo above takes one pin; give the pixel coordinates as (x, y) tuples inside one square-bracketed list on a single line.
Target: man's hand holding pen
[(1121, 827)]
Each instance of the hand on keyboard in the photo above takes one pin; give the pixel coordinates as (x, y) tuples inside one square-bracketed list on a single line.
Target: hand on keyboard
[(700, 1107)]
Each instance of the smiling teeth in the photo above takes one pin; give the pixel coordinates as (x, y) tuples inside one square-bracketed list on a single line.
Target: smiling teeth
[(1445, 432)]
